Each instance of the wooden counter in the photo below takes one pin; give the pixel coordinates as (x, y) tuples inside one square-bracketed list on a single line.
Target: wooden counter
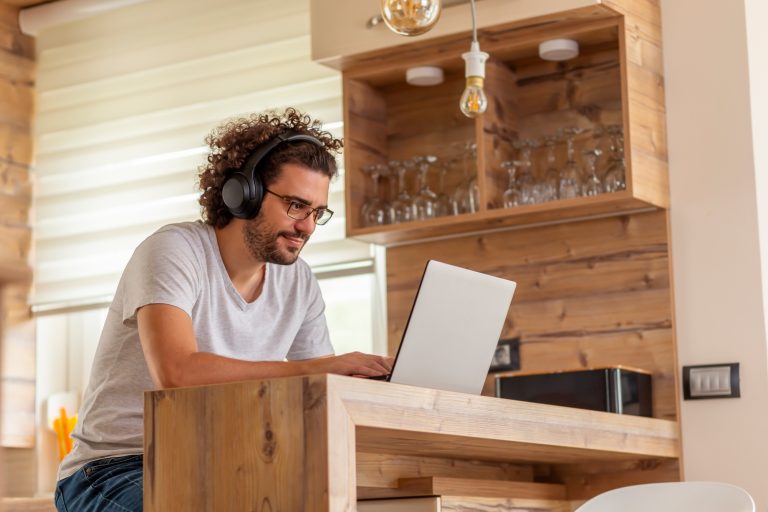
[(321, 442)]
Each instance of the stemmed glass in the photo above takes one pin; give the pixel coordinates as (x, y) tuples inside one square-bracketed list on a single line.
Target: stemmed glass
[(551, 183), (391, 174), (442, 202), (615, 178), (425, 200), (512, 196), (374, 211), (470, 159), (570, 178), (592, 185), (466, 196), (403, 203), (526, 182)]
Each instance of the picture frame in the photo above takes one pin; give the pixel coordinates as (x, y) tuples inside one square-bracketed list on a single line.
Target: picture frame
[(507, 355)]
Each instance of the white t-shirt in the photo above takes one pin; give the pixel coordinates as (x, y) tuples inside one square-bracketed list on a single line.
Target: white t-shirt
[(180, 265)]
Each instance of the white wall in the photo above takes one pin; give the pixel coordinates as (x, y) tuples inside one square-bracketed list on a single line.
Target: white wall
[(757, 37), (714, 129)]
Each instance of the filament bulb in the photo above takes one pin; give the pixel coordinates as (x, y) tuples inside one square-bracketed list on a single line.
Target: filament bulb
[(410, 17), (473, 100)]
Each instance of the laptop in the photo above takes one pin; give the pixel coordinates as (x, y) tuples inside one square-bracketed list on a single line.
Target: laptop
[(453, 329)]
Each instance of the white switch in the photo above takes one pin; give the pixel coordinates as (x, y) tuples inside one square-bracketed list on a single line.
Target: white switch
[(712, 381)]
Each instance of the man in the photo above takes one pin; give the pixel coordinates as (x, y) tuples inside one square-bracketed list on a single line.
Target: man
[(222, 300)]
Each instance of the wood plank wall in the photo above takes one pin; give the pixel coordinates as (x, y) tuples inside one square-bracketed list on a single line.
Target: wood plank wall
[(17, 80), (590, 293)]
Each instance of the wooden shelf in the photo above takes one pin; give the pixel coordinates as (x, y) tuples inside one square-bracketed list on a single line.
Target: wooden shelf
[(617, 203), (614, 81)]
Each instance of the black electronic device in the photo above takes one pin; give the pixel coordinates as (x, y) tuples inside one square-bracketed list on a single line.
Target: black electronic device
[(243, 191), (615, 389)]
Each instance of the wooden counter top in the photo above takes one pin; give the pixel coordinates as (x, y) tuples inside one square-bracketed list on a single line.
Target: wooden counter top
[(416, 421), (336, 438)]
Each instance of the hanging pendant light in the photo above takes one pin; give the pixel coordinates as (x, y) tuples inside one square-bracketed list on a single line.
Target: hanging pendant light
[(474, 102), (410, 17)]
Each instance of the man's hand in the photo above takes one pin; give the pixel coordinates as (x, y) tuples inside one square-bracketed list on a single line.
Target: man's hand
[(353, 363)]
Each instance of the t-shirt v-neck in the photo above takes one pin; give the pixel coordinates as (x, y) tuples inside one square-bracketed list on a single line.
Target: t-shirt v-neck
[(241, 303)]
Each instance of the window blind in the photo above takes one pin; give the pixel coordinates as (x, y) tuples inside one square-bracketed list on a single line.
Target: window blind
[(125, 99)]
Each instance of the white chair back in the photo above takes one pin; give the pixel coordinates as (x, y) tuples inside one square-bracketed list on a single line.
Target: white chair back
[(673, 497)]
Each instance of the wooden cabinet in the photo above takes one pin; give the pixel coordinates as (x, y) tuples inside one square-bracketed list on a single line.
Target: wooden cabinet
[(615, 80)]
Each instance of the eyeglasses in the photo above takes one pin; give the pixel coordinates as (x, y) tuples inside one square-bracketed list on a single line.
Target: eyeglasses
[(300, 211)]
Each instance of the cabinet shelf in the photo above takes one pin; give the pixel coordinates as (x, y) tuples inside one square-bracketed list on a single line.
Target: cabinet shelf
[(615, 80), (567, 210)]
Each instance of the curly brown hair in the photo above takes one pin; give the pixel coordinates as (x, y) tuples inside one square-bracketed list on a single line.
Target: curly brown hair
[(234, 141)]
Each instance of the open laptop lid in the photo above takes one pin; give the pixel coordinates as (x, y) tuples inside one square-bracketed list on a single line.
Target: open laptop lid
[(453, 329)]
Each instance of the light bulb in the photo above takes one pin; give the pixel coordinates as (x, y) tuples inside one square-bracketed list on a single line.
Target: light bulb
[(410, 17), (473, 100)]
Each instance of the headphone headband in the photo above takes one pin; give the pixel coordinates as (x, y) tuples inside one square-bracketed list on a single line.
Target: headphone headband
[(250, 165)]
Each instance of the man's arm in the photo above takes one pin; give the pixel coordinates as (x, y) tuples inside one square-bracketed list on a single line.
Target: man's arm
[(170, 349)]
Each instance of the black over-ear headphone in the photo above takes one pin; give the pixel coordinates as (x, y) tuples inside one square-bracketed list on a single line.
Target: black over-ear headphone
[(244, 190)]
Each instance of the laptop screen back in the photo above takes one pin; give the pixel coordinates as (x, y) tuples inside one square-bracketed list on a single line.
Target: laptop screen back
[(453, 329)]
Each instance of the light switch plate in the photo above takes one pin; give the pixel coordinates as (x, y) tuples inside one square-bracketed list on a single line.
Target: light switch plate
[(711, 381)]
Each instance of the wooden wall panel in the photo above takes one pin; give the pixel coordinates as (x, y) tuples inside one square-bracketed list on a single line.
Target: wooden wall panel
[(589, 293), (17, 70), (644, 84)]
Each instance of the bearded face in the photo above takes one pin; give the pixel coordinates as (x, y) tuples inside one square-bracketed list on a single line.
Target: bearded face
[(265, 243)]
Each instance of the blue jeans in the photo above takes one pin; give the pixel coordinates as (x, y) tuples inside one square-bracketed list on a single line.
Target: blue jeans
[(104, 485)]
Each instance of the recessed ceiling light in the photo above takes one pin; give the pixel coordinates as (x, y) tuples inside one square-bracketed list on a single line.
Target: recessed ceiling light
[(424, 75), (558, 49)]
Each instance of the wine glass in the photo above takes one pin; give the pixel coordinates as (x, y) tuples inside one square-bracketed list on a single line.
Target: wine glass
[(442, 202), (466, 196), (592, 185), (473, 190), (615, 177), (512, 196), (391, 175), (571, 176), (403, 203), (526, 182), (425, 200), (551, 182), (374, 211)]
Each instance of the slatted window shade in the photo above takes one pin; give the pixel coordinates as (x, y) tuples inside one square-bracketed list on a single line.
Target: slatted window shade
[(125, 100)]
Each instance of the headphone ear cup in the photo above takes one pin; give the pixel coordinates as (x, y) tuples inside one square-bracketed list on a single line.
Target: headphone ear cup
[(258, 196), (236, 195)]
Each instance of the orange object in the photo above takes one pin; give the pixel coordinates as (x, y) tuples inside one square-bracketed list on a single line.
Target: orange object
[(63, 426), (60, 441)]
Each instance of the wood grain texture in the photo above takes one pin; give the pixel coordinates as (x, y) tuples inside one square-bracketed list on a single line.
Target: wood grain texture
[(225, 458), (17, 377), (365, 141), (246, 446), (470, 486), (497, 130), (383, 471), (589, 293), (472, 504)]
